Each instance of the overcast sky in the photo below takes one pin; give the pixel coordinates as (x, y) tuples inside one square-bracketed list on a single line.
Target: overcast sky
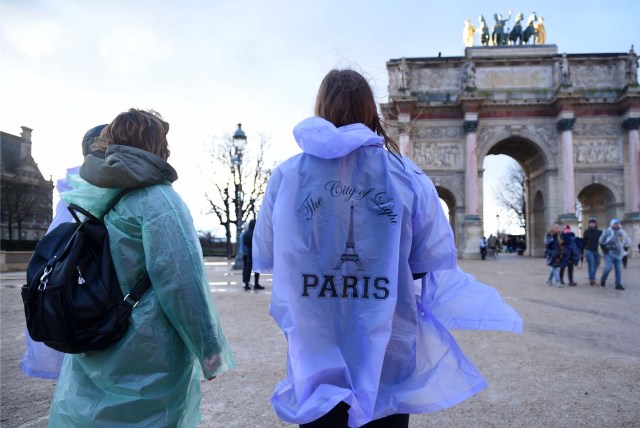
[(67, 66)]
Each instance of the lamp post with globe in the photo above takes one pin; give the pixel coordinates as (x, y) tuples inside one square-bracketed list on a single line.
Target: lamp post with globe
[(238, 146)]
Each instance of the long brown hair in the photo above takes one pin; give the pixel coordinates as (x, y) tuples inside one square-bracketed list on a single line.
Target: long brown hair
[(143, 129), (344, 98)]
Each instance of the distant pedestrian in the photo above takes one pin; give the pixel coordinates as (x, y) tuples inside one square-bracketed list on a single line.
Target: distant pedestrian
[(613, 241), (492, 243), (591, 237), (570, 254), (247, 258), (553, 254), (483, 247)]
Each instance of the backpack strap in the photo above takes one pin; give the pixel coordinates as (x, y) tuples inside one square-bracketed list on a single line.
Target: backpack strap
[(144, 282), (75, 209), (136, 293)]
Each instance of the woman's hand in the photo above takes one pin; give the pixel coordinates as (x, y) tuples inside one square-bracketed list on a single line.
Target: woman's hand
[(211, 364)]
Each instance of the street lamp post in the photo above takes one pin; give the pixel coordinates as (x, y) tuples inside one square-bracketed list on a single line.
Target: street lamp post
[(498, 225), (239, 143)]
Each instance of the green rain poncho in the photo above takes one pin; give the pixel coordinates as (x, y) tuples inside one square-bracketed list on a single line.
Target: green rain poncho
[(151, 377)]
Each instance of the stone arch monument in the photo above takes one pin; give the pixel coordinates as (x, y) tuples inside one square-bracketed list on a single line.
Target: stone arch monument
[(570, 120)]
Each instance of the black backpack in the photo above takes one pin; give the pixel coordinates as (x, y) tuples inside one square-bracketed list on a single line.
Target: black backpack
[(72, 300)]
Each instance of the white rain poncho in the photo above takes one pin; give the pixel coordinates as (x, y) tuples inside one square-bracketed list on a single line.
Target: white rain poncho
[(342, 227), (39, 360), (151, 377)]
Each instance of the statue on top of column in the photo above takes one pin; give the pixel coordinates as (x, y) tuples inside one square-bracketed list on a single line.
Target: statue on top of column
[(467, 33), (632, 67), (541, 33)]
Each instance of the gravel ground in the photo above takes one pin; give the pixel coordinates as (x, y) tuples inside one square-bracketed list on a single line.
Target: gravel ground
[(577, 363)]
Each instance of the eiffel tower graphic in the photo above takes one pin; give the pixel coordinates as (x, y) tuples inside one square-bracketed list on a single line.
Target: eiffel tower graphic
[(350, 254)]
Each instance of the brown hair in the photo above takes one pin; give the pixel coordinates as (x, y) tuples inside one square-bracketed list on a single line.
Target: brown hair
[(344, 98), (143, 129)]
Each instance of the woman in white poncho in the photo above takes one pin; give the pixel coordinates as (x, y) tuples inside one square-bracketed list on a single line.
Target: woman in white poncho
[(346, 227)]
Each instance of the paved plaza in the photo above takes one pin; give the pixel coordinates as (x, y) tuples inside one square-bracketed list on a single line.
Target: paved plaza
[(577, 363)]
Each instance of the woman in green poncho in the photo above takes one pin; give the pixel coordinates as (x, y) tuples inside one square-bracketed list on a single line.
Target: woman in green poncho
[(151, 377)]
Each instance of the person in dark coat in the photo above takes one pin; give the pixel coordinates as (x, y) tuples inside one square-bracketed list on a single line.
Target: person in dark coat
[(570, 254), (591, 238), (553, 254), (247, 238)]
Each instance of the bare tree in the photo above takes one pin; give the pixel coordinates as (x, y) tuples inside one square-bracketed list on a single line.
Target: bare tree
[(510, 194), (20, 202), (239, 184)]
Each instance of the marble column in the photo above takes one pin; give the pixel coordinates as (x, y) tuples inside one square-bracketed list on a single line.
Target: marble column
[(631, 125), (568, 179), (471, 169), (632, 218), (472, 224)]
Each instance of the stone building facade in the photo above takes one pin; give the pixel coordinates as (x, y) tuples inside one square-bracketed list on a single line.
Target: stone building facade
[(570, 120), (25, 195)]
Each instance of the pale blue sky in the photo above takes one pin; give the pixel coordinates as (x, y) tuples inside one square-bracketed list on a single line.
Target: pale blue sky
[(207, 65)]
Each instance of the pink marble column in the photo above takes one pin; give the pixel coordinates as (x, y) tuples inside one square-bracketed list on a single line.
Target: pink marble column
[(632, 125), (471, 169), (568, 179)]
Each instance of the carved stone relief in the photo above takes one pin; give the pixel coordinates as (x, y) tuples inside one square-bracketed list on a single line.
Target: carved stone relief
[(581, 128), (596, 76), (430, 155), (597, 152), (537, 77), (437, 132), (426, 80)]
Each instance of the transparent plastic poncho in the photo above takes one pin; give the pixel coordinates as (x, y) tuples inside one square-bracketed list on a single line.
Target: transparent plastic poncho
[(151, 377)]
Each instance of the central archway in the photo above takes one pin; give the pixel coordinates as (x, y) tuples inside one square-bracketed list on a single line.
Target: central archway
[(531, 157)]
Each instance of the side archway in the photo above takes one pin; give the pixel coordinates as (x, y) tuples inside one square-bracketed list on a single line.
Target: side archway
[(450, 200), (598, 201)]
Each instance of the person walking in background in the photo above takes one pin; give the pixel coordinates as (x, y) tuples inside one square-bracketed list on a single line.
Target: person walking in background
[(613, 241), (553, 254), (492, 243), (151, 376), (483, 248), (345, 227), (591, 244), (39, 360), (570, 254), (247, 257), (242, 249)]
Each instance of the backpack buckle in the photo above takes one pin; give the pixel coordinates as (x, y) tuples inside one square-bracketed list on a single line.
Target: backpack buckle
[(44, 279), (130, 300)]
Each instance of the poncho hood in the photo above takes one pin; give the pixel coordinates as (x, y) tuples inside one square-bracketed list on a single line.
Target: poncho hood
[(123, 167), (319, 137), (126, 167)]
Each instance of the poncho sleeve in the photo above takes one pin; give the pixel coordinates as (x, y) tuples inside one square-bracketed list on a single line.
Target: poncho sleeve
[(433, 247), (173, 258)]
